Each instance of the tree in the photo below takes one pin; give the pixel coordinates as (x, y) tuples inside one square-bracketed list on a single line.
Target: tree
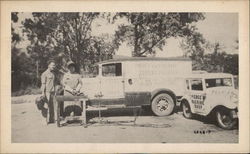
[(214, 62), (148, 31), (21, 67), (194, 45), (64, 37), (232, 64), (232, 61), (15, 38), (217, 61)]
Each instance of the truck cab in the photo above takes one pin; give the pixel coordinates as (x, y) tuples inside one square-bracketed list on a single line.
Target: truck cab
[(211, 93)]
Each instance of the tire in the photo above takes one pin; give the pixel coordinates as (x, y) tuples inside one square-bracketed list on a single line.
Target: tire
[(224, 119), (187, 113), (162, 105)]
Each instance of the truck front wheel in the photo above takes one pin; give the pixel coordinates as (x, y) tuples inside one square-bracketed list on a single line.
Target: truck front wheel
[(224, 119), (187, 113), (162, 104)]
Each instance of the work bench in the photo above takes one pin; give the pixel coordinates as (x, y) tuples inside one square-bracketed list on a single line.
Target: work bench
[(82, 99), (85, 107), (60, 99)]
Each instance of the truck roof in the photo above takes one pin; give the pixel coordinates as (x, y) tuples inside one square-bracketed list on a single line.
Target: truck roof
[(145, 59), (209, 75)]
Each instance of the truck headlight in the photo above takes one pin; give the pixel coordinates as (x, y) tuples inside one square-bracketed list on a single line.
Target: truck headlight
[(234, 98)]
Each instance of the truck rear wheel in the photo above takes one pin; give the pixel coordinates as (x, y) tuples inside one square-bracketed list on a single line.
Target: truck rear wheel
[(162, 104), (224, 119)]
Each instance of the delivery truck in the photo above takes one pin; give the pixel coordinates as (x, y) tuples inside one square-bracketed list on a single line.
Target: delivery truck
[(138, 81)]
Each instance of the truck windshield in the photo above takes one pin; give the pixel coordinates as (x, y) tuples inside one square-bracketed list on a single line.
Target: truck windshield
[(196, 84), (218, 82)]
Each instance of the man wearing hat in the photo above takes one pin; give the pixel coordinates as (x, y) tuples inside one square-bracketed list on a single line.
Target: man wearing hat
[(72, 84)]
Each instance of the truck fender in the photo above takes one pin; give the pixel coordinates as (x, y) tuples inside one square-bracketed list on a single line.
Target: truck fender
[(229, 105), (163, 90), (221, 105)]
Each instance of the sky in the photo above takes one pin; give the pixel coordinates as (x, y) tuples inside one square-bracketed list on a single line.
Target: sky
[(216, 27), (224, 29)]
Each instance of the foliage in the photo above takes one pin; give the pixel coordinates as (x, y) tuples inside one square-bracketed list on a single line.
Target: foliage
[(148, 31), (22, 70), (29, 90), (15, 38), (217, 61), (194, 45), (64, 37), (197, 48), (231, 64)]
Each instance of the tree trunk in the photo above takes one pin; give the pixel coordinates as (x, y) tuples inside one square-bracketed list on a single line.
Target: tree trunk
[(135, 53), (77, 60), (37, 73)]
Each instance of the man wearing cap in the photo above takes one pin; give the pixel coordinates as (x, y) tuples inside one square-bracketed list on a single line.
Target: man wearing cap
[(72, 84), (48, 91)]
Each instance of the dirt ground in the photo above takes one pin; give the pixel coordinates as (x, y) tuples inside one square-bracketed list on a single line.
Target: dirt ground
[(116, 126)]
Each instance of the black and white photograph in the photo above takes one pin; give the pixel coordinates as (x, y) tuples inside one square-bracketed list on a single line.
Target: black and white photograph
[(129, 77), (124, 77)]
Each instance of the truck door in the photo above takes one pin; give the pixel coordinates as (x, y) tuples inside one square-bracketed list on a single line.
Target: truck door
[(197, 95), (112, 82), (91, 82)]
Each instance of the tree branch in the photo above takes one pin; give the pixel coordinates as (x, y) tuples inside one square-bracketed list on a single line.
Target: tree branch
[(153, 45), (88, 27)]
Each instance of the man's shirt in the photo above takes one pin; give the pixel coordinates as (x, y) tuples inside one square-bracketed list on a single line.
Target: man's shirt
[(48, 79), (72, 81)]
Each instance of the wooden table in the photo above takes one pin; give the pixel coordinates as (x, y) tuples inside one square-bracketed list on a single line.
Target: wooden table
[(59, 99)]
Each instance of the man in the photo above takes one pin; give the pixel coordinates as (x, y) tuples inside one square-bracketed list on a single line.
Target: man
[(48, 91)]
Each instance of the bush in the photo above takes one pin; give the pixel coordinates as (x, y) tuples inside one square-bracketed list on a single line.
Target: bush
[(31, 90)]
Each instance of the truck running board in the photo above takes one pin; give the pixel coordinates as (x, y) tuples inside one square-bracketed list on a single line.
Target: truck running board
[(97, 108)]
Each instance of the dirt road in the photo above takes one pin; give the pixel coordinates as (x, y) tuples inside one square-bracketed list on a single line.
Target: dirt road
[(28, 126)]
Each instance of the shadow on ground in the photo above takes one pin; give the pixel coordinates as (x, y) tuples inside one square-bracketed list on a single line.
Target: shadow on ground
[(122, 112)]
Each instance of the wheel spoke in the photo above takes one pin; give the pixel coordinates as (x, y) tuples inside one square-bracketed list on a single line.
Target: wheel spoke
[(162, 104), (226, 120)]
